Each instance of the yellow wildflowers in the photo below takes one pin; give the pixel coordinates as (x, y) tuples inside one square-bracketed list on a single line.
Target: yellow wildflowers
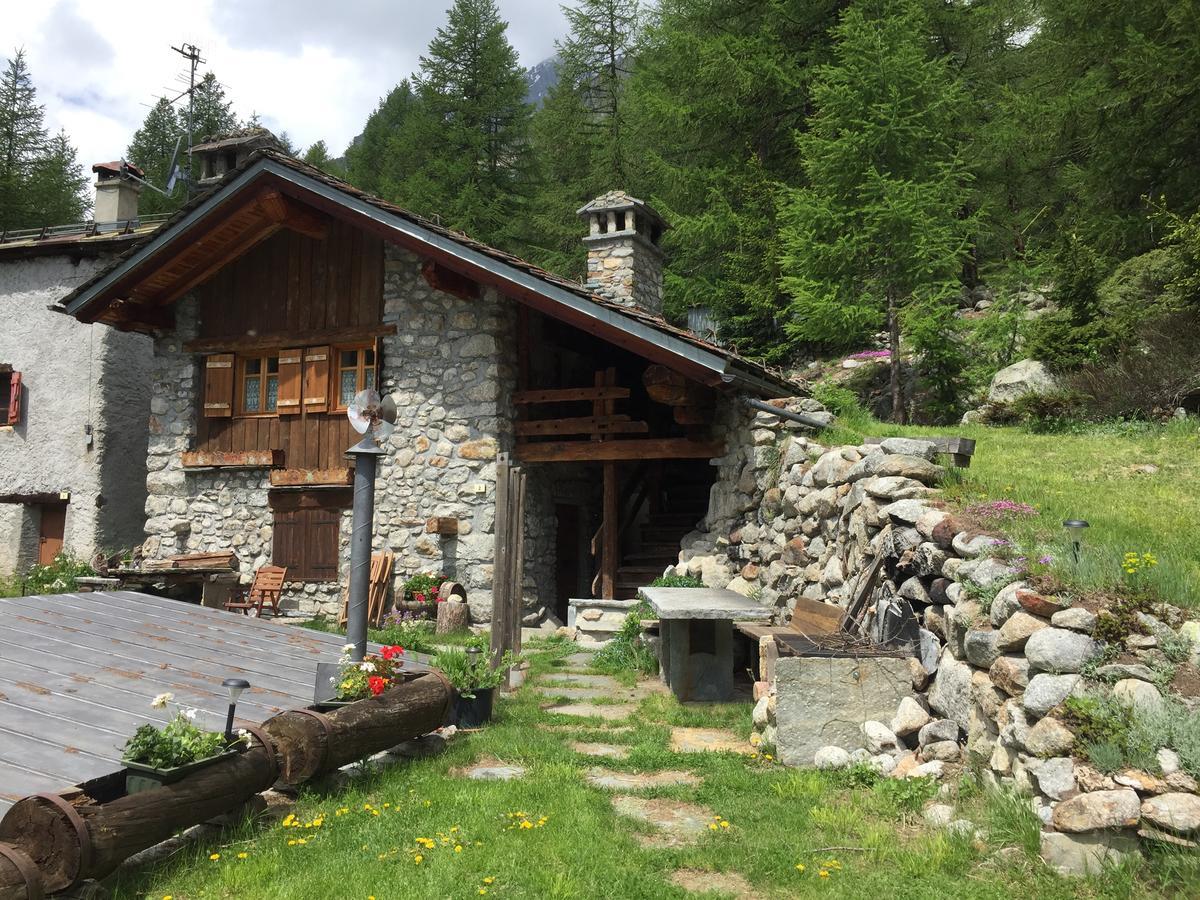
[(243, 855), (214, 856), (800, 867), (417, 859)]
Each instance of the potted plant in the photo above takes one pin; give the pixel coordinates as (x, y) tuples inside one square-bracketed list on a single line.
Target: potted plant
[(158, 755), (354, 680), (474, 680), (421, 593)]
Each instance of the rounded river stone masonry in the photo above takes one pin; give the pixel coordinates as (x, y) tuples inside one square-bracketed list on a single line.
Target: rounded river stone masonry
[(789, 517)]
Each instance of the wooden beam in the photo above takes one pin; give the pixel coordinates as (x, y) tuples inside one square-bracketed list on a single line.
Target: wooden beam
[(448, 281), (243, 459), (126, 315), (602, 451), (570, 395), (693, 415), (284, 339), (664, 385), (583, 425), (609, 533), (40, 498), (443, 525), (301, 477), (294, 216), (232, 251)]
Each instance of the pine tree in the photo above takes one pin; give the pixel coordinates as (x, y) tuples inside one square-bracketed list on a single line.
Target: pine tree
[(212, 113), (57, 185), (461, 155), (580, 144), (719, 89), (594, 60), (368, 155), (152, 148), (876, 237), (23, 142)]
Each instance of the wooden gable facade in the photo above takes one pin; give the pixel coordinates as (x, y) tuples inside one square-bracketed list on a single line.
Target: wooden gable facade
[(285, 331)]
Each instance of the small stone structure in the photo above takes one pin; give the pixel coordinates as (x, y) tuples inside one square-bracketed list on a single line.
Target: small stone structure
[(625, 261)]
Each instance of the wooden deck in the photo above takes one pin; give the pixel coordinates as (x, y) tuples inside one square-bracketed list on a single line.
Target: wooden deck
[(78, 672)]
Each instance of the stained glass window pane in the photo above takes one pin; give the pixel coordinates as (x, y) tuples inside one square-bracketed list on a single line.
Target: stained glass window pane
[(250, 399), (272, 393), (349, 386)]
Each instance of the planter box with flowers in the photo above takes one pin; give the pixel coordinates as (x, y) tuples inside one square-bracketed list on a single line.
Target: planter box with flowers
[(158, 755), (348, 680), (421, 593)]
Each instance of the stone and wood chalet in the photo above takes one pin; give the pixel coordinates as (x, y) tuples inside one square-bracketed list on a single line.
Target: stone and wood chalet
[(278, 294), (74, 397)]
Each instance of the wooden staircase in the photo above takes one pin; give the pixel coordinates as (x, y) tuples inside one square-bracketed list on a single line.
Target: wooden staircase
[(656, 548)]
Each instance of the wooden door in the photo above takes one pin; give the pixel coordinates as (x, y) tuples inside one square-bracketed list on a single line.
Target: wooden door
[(50, 534)]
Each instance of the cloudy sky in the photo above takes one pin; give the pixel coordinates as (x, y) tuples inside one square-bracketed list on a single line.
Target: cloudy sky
[(312, 69)]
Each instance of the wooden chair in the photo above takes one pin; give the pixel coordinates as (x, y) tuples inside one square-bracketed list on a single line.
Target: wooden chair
[(264, 590)]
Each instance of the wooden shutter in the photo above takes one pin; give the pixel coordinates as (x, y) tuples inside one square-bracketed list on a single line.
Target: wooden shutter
[(14, 398), (218, 385), (290, 381), (285, 541), (321, 544), (316, 379)]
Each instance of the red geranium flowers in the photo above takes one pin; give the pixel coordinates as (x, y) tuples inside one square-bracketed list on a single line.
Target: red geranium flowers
[(376, 684), (391, 652)]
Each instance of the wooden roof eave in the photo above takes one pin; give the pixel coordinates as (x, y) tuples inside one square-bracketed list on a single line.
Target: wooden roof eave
[(694, 361)]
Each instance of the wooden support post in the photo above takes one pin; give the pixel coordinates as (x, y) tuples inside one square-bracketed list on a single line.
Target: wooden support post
[(501, 605), (608, 534)]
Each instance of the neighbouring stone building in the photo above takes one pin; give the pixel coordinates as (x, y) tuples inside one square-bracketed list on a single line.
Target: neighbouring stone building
[(73, 397), (275, 297)]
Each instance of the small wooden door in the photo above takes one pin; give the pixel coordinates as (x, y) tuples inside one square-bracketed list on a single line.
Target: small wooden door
[(50, 534)]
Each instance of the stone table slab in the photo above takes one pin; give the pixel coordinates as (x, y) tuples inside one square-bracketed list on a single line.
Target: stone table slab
[(704, 603), (611, 712)]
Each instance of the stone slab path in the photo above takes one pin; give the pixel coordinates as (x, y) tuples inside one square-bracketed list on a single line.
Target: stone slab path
[(577, 679), (698, 881), (583, 727), (638, 781), (491, 770), (608, 751), (582, 659), (707, 740), (574, 693), (677, 824), (611, 712)]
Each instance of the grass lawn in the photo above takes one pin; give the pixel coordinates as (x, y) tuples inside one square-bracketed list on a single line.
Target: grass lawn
[(1092, 474), (417, 830)]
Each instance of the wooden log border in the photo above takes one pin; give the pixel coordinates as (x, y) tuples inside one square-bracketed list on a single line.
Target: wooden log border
[(28, 871)]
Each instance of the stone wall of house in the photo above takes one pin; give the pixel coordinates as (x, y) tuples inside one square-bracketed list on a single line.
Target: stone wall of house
[(451, 369), (83, 427), (992, 659)]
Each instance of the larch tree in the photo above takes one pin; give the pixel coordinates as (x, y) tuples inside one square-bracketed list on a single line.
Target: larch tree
[(23, 142), (58, 184), (367, 157), (877, 236), (580, 143), (152, 148), (462, 155)]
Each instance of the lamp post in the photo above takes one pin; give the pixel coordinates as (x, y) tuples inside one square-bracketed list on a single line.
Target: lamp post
[(235, 686), (1075, 528), (373, 418)]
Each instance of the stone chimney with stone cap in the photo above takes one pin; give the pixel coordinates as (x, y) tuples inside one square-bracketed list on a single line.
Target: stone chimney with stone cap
[(625, 261), (116, 192)]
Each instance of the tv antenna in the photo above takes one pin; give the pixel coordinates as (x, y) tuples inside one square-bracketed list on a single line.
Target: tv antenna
[(191, 53)]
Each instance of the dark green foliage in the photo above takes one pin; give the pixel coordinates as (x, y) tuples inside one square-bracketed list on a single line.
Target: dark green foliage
[(318, 155), (877, 236), (469, 673), (367, 158), (1012, 821), (627, 650), (152, 148), (41, 181), (459, 154), (1077, 332), (177, 743), (677, 581)]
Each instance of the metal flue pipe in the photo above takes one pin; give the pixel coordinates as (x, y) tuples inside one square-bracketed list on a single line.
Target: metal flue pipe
[(784, 413)]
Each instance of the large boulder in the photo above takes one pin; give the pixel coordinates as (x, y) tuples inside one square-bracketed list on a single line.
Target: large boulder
[(1022, 378), (951, 691), (1045, 691), (1099, 810)]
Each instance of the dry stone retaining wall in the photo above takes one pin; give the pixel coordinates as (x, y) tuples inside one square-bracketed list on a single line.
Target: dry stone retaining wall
[(996, 659)]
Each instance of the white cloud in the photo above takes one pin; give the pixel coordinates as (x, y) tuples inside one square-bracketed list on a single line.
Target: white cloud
[(313, 69)]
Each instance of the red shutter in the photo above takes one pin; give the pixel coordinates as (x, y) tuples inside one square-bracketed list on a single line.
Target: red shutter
[(316, 379), (14, 398), (218, 385), (290, 383)]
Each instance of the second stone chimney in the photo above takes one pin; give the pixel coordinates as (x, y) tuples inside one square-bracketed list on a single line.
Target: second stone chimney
[(116, 193), (625, 261)]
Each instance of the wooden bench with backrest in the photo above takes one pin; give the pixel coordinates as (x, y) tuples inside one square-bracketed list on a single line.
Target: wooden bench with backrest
[(264, 591)]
